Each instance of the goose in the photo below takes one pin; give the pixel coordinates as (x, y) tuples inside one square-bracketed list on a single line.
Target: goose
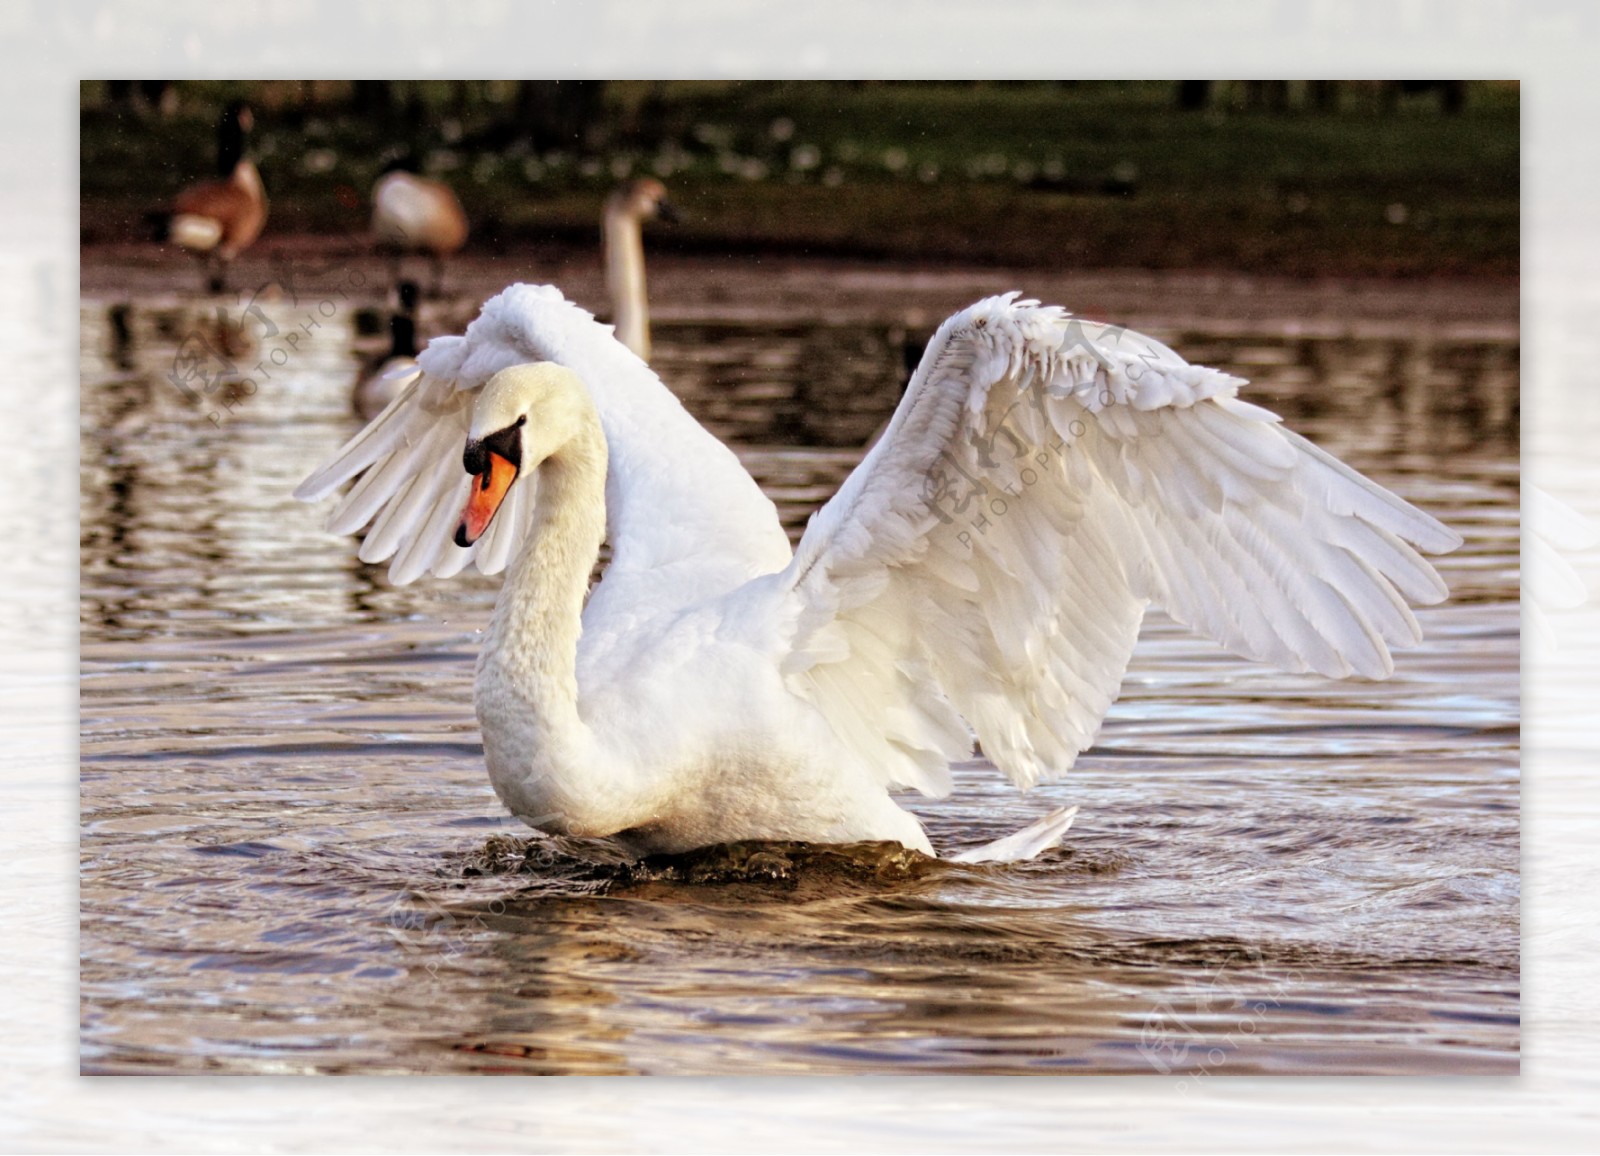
[(626, 210), (981, 574), (415, 214), (222, 218), (379, 381)]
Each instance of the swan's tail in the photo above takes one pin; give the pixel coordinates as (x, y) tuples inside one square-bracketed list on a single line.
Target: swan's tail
[(1024, 844)]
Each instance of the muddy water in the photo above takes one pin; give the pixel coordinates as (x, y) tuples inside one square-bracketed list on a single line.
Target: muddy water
[(292, 860)]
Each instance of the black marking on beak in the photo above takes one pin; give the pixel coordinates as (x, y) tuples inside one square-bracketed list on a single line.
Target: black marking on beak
[(507, 443)]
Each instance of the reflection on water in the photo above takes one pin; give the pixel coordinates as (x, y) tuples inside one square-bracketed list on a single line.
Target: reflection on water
[(292, 859)]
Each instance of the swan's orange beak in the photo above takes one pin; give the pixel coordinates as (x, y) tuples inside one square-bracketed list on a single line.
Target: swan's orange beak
[(488, 490)]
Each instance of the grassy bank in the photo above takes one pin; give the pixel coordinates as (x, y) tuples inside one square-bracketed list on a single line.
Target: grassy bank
[(1090, 175)]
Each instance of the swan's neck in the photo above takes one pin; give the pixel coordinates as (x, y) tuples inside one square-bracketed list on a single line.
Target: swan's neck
[(527, 685), (625, 277), (246, 176)]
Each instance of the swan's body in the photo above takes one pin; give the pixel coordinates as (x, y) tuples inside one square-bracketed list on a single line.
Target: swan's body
[(622, 230), (987, 564), (413, 214), (670, 770)]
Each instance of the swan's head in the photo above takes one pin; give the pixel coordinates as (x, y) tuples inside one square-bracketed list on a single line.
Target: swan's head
[(523, 415), (645, 199), (238, 115)]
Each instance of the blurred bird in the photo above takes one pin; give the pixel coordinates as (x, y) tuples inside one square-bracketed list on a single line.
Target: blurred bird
[(220, 219), (632, 204), (412, 214), (383, 378)]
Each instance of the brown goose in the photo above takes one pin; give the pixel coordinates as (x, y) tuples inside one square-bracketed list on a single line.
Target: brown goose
[(220, 219)]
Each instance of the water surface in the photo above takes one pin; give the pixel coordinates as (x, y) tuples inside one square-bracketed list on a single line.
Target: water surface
[(292, 860)]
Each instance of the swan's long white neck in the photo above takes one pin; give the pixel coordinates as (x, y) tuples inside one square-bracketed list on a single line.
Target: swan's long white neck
[(624, 243), (527, 688)]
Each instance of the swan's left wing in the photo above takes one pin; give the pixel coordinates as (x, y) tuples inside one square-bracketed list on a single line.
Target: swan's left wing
[(1043, 480), (411, 485), (685, 520)]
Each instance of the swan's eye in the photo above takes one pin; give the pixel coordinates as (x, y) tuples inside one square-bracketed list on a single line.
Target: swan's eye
[(522, 421)]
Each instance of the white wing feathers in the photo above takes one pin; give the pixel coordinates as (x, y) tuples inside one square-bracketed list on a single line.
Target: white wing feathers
[(1044, 479), (678, 501), (988, 563)]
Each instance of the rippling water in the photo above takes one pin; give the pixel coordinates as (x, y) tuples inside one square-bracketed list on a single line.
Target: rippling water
[(292, 860)]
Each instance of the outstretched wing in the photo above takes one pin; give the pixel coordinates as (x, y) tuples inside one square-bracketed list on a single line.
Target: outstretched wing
[(1042, 481), (682, 513)]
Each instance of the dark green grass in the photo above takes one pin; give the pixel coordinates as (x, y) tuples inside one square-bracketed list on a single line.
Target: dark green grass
[(1091, 175)]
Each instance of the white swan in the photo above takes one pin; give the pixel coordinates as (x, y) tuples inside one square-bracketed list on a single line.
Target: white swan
[(626, 210), (987, 564)]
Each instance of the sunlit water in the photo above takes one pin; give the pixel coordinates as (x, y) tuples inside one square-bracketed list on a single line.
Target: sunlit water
[(292, 860)]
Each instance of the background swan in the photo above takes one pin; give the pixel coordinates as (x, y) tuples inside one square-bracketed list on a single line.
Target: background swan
[(621, 227), (221, 219), (986, 566), (412, 214)]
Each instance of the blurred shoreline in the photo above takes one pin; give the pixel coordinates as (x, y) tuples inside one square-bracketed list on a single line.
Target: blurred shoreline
[(765, 288)]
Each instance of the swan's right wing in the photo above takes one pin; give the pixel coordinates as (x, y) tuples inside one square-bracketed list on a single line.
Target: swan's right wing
[(1042, 481), (684, 518)]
